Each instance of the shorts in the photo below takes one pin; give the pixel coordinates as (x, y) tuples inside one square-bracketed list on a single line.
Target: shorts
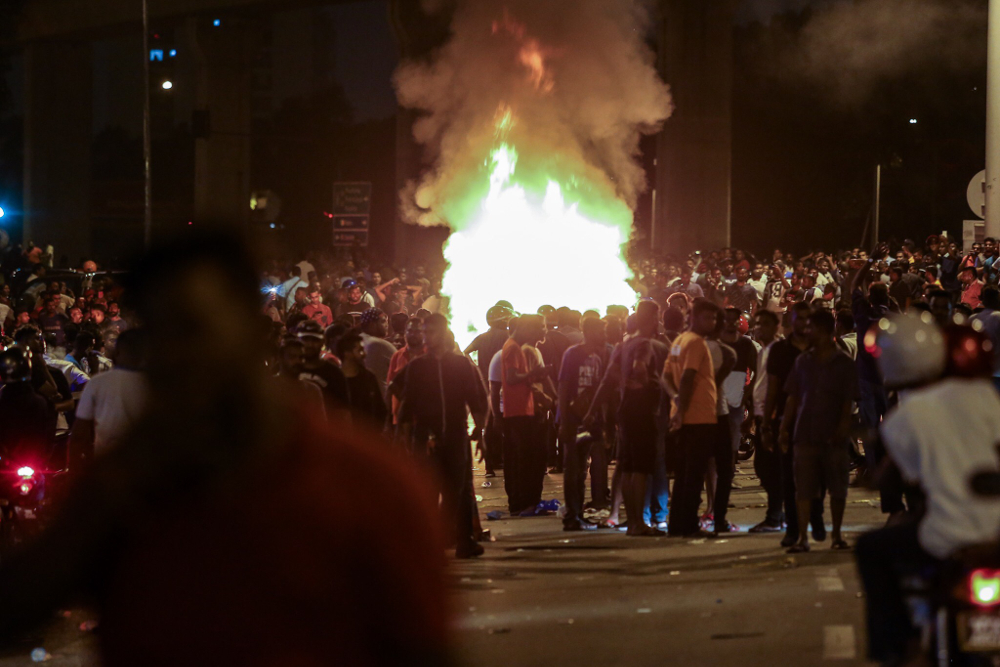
[(637, 425), (816, 467)]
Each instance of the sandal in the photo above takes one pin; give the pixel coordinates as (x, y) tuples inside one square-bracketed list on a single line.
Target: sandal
[(798, 548), (840, 545)]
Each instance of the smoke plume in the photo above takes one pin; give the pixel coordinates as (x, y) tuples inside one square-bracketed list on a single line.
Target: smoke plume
[(852, 46), (578, 81)]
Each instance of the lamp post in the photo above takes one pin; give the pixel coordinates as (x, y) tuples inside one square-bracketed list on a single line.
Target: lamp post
[(993, 123), (146, 132)]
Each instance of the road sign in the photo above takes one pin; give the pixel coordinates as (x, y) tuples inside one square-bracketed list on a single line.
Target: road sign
[(352, 198), (345, 222), (350, 238), (976, 194)]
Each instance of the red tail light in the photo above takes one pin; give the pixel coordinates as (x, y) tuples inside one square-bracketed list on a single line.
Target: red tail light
[(984, 588)]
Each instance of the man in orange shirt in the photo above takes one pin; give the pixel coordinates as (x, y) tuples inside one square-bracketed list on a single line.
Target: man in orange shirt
[(524, 447), (413, 349), (690, 380)]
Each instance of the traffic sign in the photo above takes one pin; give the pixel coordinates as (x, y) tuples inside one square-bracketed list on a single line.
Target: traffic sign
[(352, 198), (350, 238), (344, 222), (976, 194)]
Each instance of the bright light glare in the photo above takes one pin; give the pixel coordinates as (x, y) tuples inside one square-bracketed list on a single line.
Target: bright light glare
[(217, 22), (531, 251), (26, 472), (167, 85), (2, 214), (985, 586), (913, 121)]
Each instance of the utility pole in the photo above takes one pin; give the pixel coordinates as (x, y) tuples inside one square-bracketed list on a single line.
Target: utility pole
[(146, 131), (993, 123), (878, 201)]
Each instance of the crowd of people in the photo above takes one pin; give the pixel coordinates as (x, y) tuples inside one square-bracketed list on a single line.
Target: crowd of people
[(784, 358)]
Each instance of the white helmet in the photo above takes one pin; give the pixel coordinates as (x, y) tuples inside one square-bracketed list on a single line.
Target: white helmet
[(910, 349)]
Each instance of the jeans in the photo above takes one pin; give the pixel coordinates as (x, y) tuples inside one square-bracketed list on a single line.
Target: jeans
[(735, 418), (599, 473), (454, 461), (524, 462), (767, 465), (725, 467), (872, 407), (882, 556), (657, 505), (694, 447), (575, 478)]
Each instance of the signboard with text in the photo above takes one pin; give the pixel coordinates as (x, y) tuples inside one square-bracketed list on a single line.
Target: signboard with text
[(351, 209)]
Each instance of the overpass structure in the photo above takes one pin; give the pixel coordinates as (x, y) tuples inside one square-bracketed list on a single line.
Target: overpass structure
[(57, 37)]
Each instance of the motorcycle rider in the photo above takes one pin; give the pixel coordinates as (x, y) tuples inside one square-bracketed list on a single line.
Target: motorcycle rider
[(29, 420), (940, 434)]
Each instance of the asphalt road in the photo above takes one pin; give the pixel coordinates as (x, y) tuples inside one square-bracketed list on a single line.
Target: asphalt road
[(543, 597)]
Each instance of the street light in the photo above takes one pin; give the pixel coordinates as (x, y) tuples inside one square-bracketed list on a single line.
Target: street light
[(167, 85)]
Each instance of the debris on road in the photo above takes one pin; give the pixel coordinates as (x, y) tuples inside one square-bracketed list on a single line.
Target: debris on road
[(495, 515), (40, 655), (487, 484), (644, 610)]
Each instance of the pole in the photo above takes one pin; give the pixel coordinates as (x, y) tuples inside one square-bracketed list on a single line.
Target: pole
[(878, 201), (993, 123), (147, 131)]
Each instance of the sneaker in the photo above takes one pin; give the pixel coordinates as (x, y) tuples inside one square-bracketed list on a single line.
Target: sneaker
[(490, 473), (469, 550), (766, 527), (576, 526), (726, 527)]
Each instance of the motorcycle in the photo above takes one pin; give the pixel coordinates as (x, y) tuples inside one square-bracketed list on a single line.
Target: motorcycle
[(28, 488), (957, 607)]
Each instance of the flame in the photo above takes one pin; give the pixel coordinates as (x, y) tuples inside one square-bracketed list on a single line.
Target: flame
[(532, 55), (533, 249)]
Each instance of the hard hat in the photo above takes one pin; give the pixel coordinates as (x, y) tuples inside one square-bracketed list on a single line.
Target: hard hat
[(744, 324), (498, 316), (910, 349), (970, 352), (15, 365)]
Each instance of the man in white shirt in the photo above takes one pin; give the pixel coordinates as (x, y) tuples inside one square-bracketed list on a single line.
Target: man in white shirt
[(378, 351), (112, 402), (939, 437), (287, 288), (766, 462)]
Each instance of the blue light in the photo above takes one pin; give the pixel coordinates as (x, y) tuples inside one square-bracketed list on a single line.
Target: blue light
[(156, 55), (2, 214), (217, 22), (173, 53)]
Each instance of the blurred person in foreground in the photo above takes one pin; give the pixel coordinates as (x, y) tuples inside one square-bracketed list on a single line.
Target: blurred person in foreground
[(225, 529)]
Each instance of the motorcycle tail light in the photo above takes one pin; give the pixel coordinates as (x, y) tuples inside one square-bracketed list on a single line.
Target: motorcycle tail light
[(984, 588), (26, 472), (26, 488)]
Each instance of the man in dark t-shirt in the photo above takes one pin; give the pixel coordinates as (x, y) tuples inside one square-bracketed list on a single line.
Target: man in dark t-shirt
[(324, 374), (780, 362)]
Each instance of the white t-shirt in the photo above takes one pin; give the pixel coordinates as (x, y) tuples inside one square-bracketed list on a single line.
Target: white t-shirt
[(496, 368), (760, 385), (114, 401), (378, 355), (940, 436)]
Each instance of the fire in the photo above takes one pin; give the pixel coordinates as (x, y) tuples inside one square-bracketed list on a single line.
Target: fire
[(531, 55), (532, 249)]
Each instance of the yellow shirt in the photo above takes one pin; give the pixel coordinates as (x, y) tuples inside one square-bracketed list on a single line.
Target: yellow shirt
[(690, 351)]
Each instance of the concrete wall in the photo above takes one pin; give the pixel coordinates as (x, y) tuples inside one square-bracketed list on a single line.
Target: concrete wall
[(694, 161), (57, 145)]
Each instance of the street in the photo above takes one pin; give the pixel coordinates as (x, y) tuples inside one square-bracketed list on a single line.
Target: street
[(540, 596)]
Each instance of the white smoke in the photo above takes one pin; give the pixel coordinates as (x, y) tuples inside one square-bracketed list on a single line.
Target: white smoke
[(581, 124), (852, 46)]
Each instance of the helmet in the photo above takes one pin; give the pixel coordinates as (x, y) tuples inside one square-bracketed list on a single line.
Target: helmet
[(508, 304), (309, 328), (744, 324), (15, 365), (545, 311), (970, 353), (910, 349), (498, 316)]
